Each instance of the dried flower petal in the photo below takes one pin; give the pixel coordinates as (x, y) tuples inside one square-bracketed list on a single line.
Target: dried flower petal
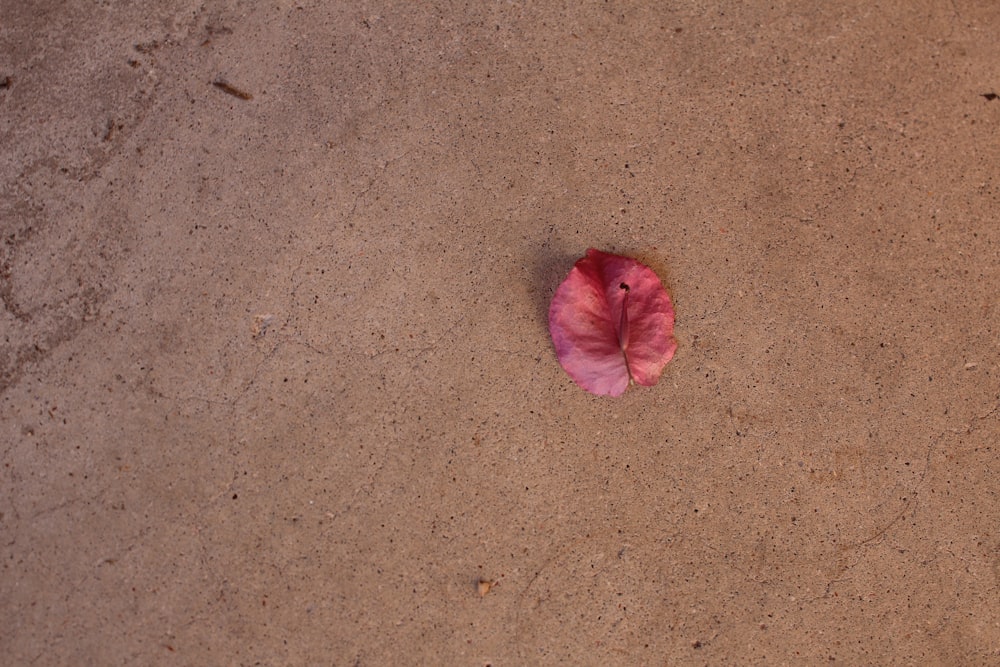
[(612, 321)]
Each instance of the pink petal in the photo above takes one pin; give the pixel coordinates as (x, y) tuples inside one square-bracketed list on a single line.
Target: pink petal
[(600, 344)]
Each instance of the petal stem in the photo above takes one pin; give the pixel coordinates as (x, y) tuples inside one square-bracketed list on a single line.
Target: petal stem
[(623, 326)]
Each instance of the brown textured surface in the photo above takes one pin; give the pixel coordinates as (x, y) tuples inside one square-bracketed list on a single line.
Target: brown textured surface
[(275, 381)]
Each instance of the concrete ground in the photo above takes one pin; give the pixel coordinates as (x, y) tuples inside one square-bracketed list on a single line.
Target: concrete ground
[(276, 385)]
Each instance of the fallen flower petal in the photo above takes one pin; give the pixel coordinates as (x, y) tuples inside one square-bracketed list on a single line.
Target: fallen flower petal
[(612, 321)]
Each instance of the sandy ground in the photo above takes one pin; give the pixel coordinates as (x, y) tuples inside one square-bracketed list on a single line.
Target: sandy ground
[(276, 385)]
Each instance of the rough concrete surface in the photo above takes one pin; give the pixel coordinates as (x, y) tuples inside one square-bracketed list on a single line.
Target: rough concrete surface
[(276, 385)]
